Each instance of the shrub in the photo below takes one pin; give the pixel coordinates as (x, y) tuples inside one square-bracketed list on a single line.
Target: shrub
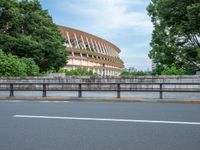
[(31, 67), (136, 73), (77, 72), (11, 65), (173, 70)]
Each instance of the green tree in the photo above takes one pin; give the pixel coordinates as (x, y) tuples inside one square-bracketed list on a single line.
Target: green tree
[(26, 30), (176, 35)]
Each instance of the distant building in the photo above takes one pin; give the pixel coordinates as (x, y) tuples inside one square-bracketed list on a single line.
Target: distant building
[(91, 52), (131, 69)]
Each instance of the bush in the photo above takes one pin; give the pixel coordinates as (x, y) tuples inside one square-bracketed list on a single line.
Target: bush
[(136, 73), (11, 65), (77, 72), (31, 67), (173, 70)]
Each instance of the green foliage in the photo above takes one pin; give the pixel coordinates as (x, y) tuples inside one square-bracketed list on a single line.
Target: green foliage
[(11, 65), (31, 67), (176, 35), (136, 73), (77, 72), (173, 70), (28, 31)]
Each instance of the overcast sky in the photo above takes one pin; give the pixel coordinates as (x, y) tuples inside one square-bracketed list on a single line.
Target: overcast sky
[(125, 23)]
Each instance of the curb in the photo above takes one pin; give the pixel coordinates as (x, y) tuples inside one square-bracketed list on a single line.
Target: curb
[(71, 99), (2, 98)]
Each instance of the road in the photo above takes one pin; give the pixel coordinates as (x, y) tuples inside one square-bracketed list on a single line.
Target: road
[(99, 126)]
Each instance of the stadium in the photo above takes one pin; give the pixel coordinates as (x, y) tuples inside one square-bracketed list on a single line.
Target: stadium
[(91, 52)]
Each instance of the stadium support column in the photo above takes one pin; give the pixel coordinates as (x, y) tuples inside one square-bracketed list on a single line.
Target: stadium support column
[(114, 52), (101, 49), (97, 48), (101, 45), (68, 38), (77, 44), (108, 50), (83, 42), (93, 45), (88, 43), (111, 52), (104, 48)]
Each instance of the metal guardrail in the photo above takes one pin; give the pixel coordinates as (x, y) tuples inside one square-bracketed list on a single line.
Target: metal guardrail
[(117, 88)]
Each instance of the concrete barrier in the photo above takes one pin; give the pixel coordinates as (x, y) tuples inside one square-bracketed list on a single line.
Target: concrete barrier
[(85, 79)]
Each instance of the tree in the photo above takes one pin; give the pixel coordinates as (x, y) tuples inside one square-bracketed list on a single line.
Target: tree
[(26, 30), (176, 35)]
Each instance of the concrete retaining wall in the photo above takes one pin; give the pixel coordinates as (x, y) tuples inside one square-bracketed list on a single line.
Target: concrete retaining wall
[(151, 79), (141, 79)]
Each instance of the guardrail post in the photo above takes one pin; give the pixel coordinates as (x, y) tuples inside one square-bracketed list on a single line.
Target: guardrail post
[(118, 90), (161, 92), (44, 90), (11, 90), (79, 90)]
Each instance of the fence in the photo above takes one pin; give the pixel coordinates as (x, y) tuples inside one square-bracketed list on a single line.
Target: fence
[(112, 87)]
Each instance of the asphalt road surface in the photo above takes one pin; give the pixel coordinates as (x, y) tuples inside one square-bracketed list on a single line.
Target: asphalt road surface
[(99, 126)]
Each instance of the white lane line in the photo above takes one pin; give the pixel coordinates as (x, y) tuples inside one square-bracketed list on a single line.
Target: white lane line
[(108, 119), (53, 101), (13, 101), (19, 101)]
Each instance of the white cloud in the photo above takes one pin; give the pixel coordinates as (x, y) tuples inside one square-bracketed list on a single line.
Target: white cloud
[(109, 16), (137, 59)]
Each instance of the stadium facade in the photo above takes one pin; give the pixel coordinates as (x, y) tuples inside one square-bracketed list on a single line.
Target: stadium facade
[(91, 52)]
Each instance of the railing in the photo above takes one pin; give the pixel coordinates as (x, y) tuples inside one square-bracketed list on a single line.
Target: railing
[(116, 87)]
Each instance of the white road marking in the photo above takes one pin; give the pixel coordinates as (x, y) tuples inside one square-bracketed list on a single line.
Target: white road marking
[(108, 119), (53, 101), (12, 101), (18, 101)]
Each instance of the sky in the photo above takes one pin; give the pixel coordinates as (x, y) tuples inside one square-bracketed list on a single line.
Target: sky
[(125, 23)]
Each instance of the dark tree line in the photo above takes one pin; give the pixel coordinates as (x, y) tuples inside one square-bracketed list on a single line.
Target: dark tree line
[(26, 30)]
